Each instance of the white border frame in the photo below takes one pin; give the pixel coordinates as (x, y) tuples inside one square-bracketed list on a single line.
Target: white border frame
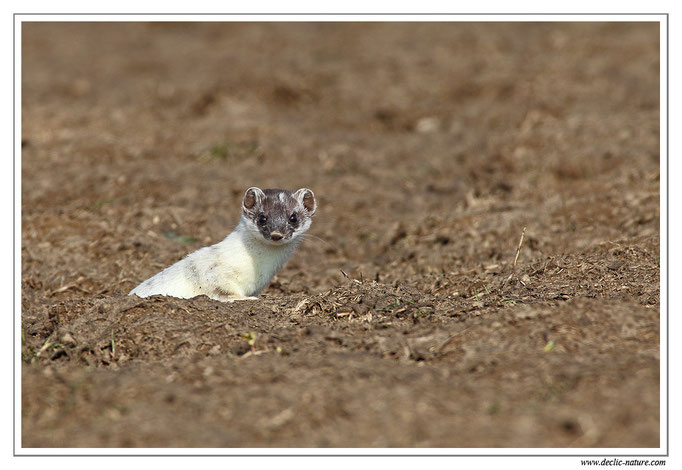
[(600, 453)]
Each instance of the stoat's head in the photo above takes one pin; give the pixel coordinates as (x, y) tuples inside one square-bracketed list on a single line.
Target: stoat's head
[(278, 216)]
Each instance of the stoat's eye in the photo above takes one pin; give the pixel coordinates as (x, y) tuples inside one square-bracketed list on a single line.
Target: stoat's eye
[(261, 220), (293, 219)]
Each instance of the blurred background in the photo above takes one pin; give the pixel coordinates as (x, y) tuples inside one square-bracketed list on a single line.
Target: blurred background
[(430, 146)]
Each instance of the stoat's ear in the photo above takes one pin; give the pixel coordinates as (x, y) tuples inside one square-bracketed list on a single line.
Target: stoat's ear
[(306, 198), (253, 198)]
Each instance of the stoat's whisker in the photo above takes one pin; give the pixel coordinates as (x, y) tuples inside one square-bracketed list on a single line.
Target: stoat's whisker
[(307, 236)]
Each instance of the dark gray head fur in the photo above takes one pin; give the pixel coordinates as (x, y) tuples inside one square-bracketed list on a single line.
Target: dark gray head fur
[(278, 216)]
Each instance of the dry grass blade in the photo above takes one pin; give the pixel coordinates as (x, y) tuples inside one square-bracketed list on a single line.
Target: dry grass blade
[(516, 257), (518, 249)]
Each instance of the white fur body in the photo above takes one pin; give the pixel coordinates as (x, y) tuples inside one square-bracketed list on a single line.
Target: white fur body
[(238, 267)]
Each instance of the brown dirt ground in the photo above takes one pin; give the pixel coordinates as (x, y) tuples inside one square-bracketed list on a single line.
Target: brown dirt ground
[(430, 147)]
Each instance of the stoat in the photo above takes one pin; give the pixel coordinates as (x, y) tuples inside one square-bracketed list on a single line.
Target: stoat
[(239, 267)]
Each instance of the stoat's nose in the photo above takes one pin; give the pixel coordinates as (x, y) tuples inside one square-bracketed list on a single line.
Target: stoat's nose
[(276, 236)]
